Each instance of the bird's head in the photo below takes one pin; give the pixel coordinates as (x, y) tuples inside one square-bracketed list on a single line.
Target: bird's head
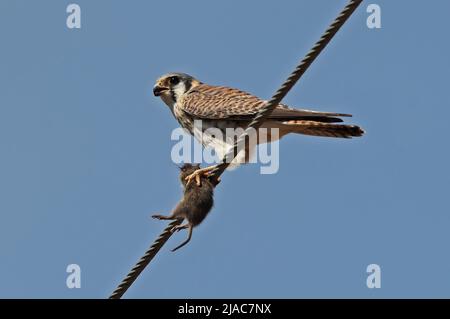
[(173, 85)]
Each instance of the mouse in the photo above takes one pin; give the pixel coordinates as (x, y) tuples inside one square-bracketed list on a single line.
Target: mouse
[(196, 203)]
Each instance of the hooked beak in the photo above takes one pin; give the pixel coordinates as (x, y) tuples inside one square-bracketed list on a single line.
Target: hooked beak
[(157, 90)]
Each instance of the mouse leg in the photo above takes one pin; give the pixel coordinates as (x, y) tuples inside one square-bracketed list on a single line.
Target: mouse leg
[(180, 227), (162, 217), (190, 227)]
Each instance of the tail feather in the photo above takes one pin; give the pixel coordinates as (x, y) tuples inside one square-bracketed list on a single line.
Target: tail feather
[(323, 129)]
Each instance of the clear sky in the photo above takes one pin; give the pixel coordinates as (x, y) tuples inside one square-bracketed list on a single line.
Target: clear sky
[(85, 150)]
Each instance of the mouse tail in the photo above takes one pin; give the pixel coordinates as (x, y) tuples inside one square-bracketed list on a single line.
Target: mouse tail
[(187, 240)]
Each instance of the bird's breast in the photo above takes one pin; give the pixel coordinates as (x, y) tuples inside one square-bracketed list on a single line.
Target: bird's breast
[(210, 126)]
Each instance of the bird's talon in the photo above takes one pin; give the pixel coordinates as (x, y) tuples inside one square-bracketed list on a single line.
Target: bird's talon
[(199, 174), (198, 180)]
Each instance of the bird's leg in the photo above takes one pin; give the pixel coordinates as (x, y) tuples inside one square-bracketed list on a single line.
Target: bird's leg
[(202, 172)]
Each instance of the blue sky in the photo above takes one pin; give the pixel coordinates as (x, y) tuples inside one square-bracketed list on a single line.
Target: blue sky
[(85, 150)]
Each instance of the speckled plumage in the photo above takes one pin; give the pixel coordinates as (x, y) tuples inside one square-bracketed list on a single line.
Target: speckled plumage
[(223, 107)]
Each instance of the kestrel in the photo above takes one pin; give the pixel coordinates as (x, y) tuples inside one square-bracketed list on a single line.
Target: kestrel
[(223, 107)]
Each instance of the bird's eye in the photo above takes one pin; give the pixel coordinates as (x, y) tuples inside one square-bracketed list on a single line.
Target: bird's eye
[(174, 80)]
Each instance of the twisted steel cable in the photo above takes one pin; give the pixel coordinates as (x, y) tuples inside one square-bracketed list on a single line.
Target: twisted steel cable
[(287, 85), (255, 124), (144, 261)]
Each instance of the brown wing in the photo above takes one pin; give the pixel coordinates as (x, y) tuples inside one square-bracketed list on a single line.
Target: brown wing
[(218, 102)]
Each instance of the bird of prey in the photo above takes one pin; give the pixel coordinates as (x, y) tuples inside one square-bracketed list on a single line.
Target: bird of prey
[(223, 107)]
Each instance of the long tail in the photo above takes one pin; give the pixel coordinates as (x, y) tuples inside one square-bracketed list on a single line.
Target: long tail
[(187, 240), (322, 129)]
